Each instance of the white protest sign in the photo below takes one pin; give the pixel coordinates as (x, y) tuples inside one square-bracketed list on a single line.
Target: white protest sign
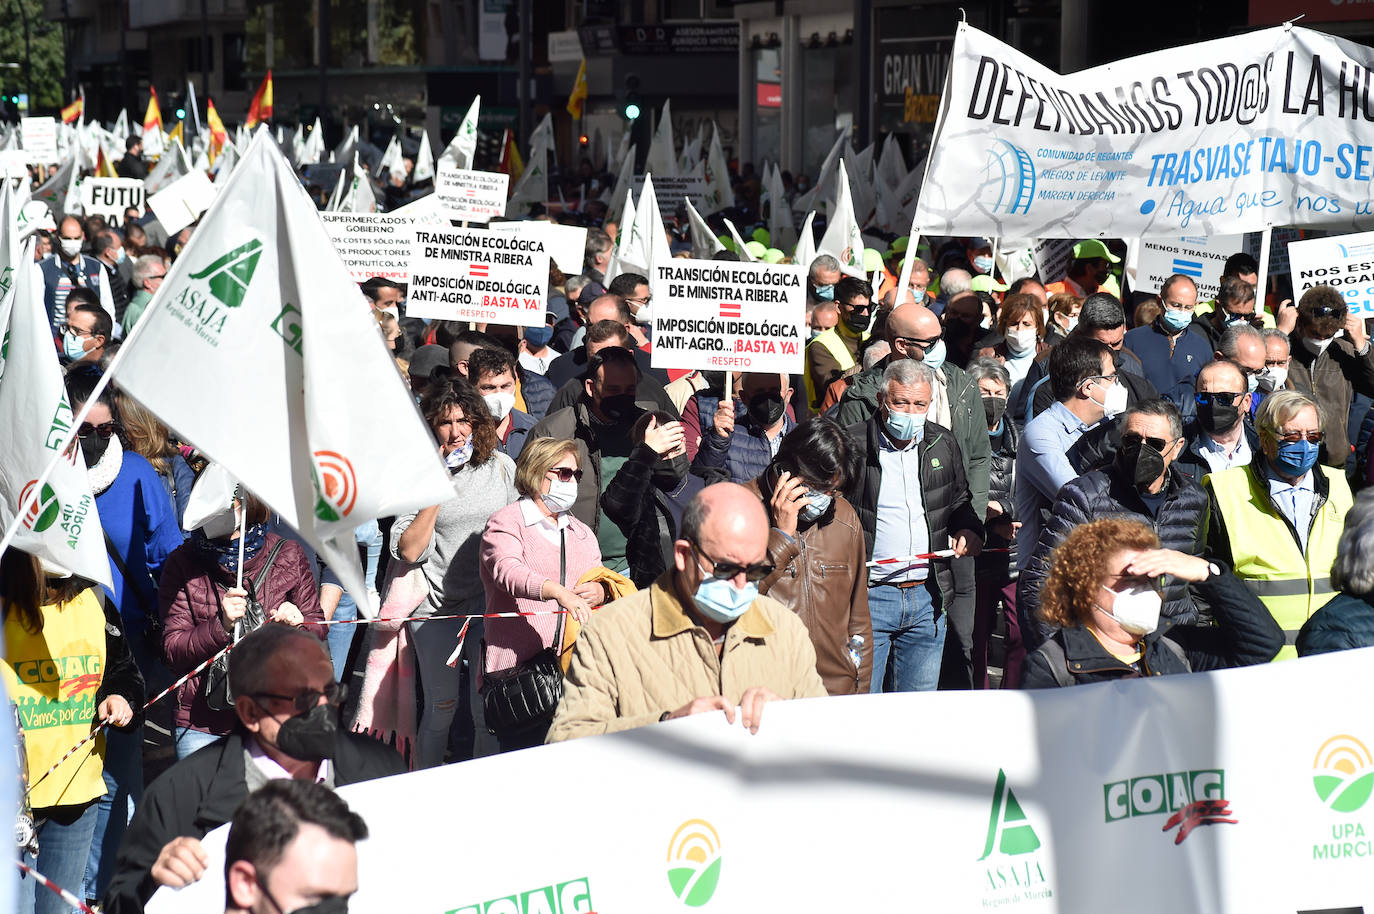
[(1222, 137), (1345, 262), (109, 197), (566, 244), (477, 275), (1199, 257), (181, 203), (740, 316), (372, 244), (476, 196), (40, 139), (14, 163), (1052, 257), (670, 191)]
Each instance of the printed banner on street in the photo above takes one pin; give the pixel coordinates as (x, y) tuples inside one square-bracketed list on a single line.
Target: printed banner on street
[(720, 315), (372, 244), (567, 244), (1201, 258), (40, 139), (1180, 781), (476, 196), (109, 197), (477, 275), (1223, 137), (670, 191), (1345, 262), (182, 202)]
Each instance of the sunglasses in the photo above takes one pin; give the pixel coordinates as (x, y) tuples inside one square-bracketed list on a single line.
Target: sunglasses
[(1294, 437), (334, 694), (1216, 396), (922, 344), (1159, 444), (566, 474), (1327, 311), (104, 430), (724, 571)]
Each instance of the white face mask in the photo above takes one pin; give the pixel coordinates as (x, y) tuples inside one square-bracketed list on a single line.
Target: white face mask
[(1021, 341), (1136, 609), (499, 404), (1317, 347), (71, 247), (1273, 378), (1114, 403), (1072, 323), (560, 496)]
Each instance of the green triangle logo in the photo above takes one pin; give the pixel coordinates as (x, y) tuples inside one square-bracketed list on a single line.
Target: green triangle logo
[(1009, 831), (230, 276)]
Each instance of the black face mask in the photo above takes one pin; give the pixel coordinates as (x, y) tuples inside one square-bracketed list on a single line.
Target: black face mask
[(993, 409), (309, 736), (715, 380), (669, 473), (765, 409), (1141, 463), (1218, 416), (93, 448), (335, 904), (618, 406), (856, 321)]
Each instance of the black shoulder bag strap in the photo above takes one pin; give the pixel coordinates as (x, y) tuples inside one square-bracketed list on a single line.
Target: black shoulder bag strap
[(563, 582)]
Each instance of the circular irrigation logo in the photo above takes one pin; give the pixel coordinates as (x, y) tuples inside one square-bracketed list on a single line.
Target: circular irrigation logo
[(43, 513), (694, 862), (336, 485), (1343, 773)]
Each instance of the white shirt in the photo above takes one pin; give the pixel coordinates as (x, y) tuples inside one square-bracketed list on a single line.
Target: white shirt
[(275, 772), (1295, 501), (1218, 458), (538, 364), (548, 527), (901, 525)]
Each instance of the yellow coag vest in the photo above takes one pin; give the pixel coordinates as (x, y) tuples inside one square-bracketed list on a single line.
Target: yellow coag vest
[(1291, 585), (52, 677), (830, 339)]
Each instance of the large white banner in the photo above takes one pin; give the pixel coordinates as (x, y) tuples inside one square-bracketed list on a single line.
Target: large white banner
[(1226, 136), (1241, 791), (1346, 263)]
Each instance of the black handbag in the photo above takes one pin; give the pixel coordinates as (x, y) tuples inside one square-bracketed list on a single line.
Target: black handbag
[(218, 695), (527, 695)]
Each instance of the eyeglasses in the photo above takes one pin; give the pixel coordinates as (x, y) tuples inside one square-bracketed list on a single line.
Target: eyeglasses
[(1327, 310), (1159, 444), (920, 343), (1179, 306), (566, 474), (1315, 437), (334, 694), (75, 331), (640, 301), (724, 571), (1103, 377), (104, 430), (1216, 396)]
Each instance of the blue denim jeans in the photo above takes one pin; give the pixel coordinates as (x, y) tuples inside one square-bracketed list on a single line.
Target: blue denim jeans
[(369, 537), (63, 843), (188, 740), (123, 791), (908, 631)]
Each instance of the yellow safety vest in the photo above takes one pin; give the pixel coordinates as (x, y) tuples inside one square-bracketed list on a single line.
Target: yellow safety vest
[(1291, 585), (832, 341)]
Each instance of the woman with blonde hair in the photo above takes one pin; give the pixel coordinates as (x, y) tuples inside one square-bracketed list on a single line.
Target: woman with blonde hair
[(144, 434)]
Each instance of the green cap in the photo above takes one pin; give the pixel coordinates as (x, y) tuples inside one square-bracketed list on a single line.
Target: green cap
[(728, 242), (1093, 249), (985, 283), (756, 248), (872, 260), (899, 245), (772, 255), (761, 235)]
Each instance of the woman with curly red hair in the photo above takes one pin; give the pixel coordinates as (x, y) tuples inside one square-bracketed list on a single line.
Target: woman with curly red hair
[(1103, 593)]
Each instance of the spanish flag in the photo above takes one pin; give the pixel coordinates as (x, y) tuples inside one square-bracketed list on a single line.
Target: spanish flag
[(578, 98), (103, 168), (260, 110), (153, 116), (73, 111), (177, 134), (511, 163), (218, 135)]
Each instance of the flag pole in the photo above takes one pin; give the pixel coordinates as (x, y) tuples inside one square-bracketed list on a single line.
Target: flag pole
[(243, 532)]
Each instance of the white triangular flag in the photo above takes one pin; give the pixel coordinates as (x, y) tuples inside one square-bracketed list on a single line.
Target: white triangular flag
[(647, 245), (361, 198), (820, 191), (55, 190), (704, 241), (662, 160), (424, 162), (842, 239), (312, 148), (891, 163), (744, 253), (336, 199), (224, 165), (806, 243), (463, 147), (392, 160), (782, 231), (171, 166), (344, 152), (624, 229), (533, 186), (121, 126), (260, 305), (719, 195), (623, 179)]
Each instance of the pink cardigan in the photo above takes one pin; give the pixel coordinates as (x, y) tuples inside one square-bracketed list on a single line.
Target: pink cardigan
[(516, 560)]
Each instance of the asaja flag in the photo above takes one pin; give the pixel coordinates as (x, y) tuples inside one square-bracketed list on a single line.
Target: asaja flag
[(424, 160), (842, 239), (578, 99), (463, 147), (260, 351), (662, 158), (260, 110)]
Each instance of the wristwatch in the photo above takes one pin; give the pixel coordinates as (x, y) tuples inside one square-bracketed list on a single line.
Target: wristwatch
[(1213, 569)]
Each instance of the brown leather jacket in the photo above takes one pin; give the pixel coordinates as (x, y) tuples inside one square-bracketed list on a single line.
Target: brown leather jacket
[(821, 577)]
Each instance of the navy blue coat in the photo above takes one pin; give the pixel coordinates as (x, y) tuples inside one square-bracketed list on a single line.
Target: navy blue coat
[(1174, 376), (1345, 623)]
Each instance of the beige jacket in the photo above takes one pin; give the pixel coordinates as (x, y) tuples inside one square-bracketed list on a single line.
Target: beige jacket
[(642, 656)]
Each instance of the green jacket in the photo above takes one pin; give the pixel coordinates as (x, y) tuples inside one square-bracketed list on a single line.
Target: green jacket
[(966, 417), (135, 310)]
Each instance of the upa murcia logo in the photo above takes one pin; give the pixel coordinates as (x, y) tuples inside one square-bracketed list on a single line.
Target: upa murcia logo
[(1343, 776), (1012, 866), (210, 293), (571, 897), (1190, 798), (694, 862), (43, 513), (336, 486)]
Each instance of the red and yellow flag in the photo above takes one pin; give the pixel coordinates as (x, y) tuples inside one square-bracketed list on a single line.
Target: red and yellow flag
[(73, 111), (511, 163), (153, 116), (103, 168), (578, 98), (260, 110), (218, 135)]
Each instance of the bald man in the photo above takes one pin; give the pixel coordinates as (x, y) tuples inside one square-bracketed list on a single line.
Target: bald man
[(573, 363), (699, 640)]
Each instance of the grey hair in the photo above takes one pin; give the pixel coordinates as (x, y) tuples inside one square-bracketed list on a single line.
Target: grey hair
[(1158, 407), (822, 262), (876, 353), (908, 373), (574, 285), (1274, 333), (1230, 339), (1353, 570), (954, 282), (1281, 406), (144, 266), (988, 368)]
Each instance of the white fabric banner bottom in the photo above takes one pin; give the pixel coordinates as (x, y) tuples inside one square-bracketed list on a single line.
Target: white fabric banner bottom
[(1245, 790)]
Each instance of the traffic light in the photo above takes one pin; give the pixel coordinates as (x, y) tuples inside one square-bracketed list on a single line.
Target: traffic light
[(181, 114), (631, 108)]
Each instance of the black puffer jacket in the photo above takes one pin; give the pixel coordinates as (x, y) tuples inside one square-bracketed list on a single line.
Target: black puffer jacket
[(1181, 524), (1001, 479)]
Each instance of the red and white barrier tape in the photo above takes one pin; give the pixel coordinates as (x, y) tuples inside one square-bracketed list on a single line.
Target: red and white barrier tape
[(51, 886), (941, 554)]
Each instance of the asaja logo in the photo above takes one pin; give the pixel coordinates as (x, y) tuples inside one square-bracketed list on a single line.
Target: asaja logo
[(45, 511), (1012, 870), (1343, 773), (335, 484), (230, 275), (694, 862), (1009, 831), (207, 295)]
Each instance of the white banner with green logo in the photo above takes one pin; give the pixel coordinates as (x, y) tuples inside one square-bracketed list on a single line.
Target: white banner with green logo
[(1241, 791)]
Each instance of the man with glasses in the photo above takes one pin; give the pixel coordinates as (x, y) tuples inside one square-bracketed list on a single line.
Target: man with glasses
[(68, 269), (1278, 521), (747, 430), (833, 353), (700, 639), (1170, 355), (1220, 436), (1140, 483), (286, 700), (86, 331), (149, 271), (1332, 361)]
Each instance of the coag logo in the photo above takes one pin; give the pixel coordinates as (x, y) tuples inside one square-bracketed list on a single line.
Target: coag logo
[(1192, 798), (230, 275), (1343, 773), (44, 512), (694, 862), (1007, 179), (573, 897), (335, 484)]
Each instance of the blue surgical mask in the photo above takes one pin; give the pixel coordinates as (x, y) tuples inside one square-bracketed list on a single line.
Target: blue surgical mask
[(1295, 458), (538, 337), (121, 256), (982, 264), (825, 293), (720, 601), (73, 346), (905, 426), (817, 503), (1252, 381), (935, 356), (1175, 320)]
